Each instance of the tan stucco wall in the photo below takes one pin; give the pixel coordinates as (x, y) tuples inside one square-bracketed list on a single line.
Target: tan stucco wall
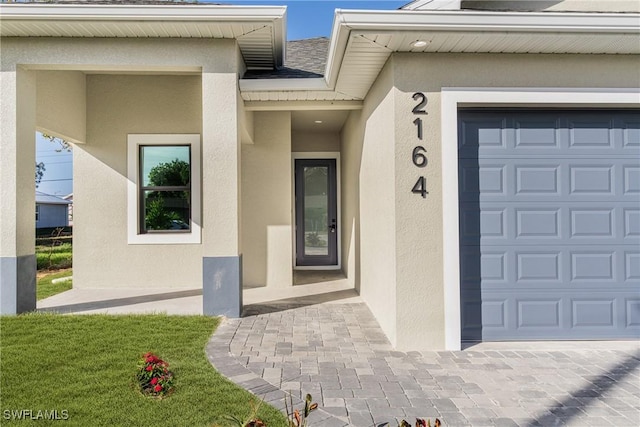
[(419, 222), (351, 155), (62, 104), (304, 142), (368, 171), (266, 202), (17, 157), (117, 106), (396, 235)]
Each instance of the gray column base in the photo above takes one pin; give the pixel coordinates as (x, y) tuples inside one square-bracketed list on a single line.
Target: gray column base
[(17, 284), (222, 286)]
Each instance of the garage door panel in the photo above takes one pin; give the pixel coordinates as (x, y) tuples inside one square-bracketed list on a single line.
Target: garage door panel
[(561, 315), (632, 314), (549, 133), (631, 219), (537, 131), (632, 266), (544, 267), (549, 224), (631, 180), (630, 129), (568, 179)]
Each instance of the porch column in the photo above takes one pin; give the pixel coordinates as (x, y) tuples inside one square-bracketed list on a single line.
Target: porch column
[(222, 258), (17, 190)]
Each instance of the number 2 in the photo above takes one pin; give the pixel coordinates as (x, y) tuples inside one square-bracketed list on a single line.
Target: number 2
[(419, 109)]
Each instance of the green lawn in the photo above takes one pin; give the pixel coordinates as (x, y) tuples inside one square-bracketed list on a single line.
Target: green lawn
[(54, 258), (86, 366), (46, 289)]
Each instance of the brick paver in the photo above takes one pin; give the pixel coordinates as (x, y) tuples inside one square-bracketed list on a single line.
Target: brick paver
[(339, 354)]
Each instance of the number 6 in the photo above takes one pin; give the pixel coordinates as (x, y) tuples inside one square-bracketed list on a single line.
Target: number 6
[(419, 159)]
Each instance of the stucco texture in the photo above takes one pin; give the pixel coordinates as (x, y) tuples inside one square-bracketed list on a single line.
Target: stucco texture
[(116, 106), (401, 235), (369, 191), (266, 202)]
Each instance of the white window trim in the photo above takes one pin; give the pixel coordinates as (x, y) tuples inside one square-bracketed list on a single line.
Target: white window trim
[(451, 100), (134, 141), (316, 155)]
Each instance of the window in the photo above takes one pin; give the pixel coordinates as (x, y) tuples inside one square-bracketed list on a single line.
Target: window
[(163, 189), (37, 213)]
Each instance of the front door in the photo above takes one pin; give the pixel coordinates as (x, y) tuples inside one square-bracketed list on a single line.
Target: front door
[(316, 212)]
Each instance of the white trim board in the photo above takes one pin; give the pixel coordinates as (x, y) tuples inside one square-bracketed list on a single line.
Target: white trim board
[(451, 100), (316, 155)]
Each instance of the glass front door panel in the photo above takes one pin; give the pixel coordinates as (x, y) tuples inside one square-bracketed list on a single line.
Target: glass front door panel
[(316, 212), (316, 206)]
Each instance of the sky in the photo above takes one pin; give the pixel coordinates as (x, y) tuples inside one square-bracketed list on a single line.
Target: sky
[(58, 176), (305, 19), (314, 18)]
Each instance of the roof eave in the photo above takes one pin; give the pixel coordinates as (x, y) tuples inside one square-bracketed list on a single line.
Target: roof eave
[(346, 21), (82, 12), (35, 14)]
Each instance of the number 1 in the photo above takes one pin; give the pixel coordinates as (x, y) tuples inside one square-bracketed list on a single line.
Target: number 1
[(418, 123)]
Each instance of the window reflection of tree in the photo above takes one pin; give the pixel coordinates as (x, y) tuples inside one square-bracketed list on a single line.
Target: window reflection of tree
[(167, 196)]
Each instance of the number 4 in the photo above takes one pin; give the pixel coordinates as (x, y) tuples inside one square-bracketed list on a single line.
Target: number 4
[(420, 187)]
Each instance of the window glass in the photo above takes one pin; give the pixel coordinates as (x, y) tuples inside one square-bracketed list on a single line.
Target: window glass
[(165, 193), (165, 165), (166, 210)]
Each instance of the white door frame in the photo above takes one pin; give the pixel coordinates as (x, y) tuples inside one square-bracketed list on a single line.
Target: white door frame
[(316, 155)]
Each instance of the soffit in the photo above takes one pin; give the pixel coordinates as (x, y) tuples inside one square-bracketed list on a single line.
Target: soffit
[(259, 31), (307, 121), (362, 42), (367, 52)]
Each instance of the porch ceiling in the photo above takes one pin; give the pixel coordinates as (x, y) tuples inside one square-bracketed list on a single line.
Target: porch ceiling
[(259, 30), (329, 121)]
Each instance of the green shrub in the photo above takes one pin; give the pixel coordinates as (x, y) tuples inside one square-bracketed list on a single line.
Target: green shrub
[(53, 258)]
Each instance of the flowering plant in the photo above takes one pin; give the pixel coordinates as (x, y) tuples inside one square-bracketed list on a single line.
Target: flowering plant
[(154, 377)]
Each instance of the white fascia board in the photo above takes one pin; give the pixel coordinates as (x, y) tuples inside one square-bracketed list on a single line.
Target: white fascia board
[(271, 85), (557, 22), (93, 12), (340, 34), (381, 21)]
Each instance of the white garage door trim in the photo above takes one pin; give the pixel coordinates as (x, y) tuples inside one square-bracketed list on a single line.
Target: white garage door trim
[(451, 100)]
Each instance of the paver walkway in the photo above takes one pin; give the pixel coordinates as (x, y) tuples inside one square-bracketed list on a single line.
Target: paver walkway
[(338, 354)]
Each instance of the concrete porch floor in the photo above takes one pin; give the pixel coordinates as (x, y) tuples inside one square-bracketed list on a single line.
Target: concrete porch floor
[(310, 287)]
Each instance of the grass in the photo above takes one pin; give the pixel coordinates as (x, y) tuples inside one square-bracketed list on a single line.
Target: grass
[(54, 259), (86, 366), (44, 287)]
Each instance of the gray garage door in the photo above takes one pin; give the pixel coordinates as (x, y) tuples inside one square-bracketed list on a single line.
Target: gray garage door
[(549, 224)]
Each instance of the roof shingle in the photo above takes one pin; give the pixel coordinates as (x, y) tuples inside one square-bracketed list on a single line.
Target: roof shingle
[(304, 59)]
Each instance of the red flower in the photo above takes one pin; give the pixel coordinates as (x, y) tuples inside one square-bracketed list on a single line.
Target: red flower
[(157, 388), (154, 381), (149, 368)]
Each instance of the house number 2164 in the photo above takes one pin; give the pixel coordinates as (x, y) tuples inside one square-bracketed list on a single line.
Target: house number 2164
[(419, 154)]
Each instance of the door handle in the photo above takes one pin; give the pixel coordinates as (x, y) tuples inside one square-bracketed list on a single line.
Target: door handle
[(332, 227)]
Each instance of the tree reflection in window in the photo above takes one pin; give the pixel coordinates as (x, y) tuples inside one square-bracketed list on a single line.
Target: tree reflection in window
[(165, 192)]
